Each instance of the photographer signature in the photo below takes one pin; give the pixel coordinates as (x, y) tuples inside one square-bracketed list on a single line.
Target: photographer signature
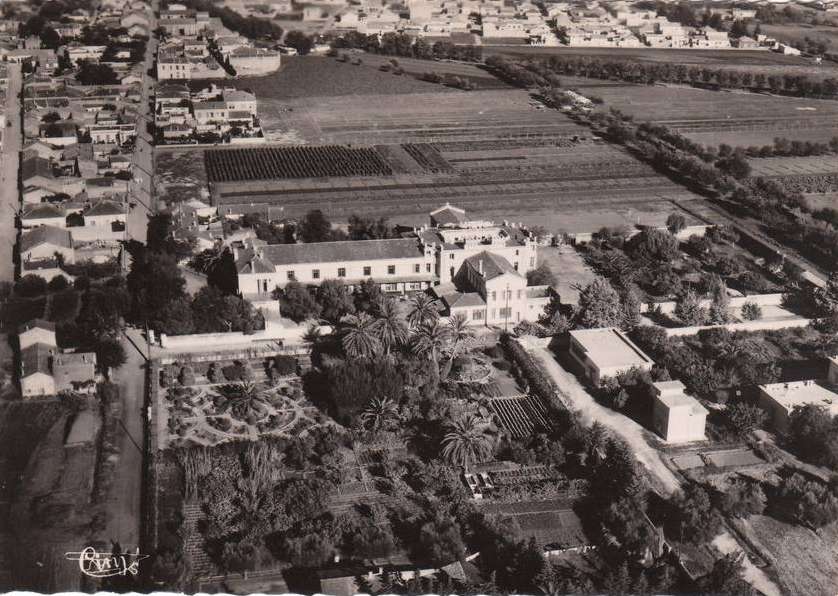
[(96, 564)]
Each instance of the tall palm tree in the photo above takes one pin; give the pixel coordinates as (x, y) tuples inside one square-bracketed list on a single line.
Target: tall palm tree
[(459, 334), (423, 310), (466, 442), (379, 413), (359, 337), (428, 341), (390, 328)]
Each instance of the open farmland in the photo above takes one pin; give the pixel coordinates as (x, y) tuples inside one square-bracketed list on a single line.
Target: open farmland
[(756, 61), (497, 153), (307, 77), (714, 117), (815, 174)]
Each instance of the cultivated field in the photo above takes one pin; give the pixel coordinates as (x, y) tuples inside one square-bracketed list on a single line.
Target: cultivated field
[(794, 166), (495, 152), (714, 117), (804, 561)]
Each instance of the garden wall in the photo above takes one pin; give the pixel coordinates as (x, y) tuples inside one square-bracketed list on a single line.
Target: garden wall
[(293, 335), (736, 302), (745, 326)]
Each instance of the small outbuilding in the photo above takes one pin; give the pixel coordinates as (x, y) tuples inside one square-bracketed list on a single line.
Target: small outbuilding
[(676, 416), (606, 352)]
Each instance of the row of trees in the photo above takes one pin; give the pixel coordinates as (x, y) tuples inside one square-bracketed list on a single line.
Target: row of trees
[(401, 44), (540, 71)]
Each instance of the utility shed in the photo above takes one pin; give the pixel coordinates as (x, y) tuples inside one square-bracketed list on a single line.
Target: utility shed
[(676, 416)]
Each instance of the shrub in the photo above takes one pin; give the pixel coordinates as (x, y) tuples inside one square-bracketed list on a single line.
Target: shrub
[(30, 286), (186, 376), (502, 365), (284, 365), (808, 502), (751, 311), (58, 284), (238, 371)]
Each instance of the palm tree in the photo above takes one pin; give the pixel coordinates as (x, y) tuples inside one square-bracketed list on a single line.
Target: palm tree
[(466, 442), (359, 338), (423, 310), (459, 334), (428, 341), (242, 399), (390, 328), (379, 413)]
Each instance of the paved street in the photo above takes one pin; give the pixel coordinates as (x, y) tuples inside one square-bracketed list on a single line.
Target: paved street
[(143, 160), (9, 163)]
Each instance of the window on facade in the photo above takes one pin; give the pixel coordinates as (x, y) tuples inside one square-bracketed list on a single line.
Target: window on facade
[(428, 267), (367, 270), (417, 268), (516, 265), (494, 296), (477, 315), (505, 313), (341, 271), (315, 274), (519, 294), (291, 276), (452, 256), (391, 269)]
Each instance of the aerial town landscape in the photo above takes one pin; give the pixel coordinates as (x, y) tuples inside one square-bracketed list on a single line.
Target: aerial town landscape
[(433, 296)]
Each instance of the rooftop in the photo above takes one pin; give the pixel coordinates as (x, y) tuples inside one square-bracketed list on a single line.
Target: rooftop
[(801, 393), (672, 395), (610, 348), (335, 252), (490, 265), (45, 235)]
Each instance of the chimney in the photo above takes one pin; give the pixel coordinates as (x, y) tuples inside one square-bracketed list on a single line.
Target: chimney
[(480, 266)]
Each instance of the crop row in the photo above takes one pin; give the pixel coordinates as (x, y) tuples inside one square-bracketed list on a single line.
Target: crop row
[(229, 165)]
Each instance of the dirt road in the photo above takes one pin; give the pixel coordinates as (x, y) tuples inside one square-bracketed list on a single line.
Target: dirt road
[(590, 411)]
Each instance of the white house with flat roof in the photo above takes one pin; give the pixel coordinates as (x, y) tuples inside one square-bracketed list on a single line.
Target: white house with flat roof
[(606, 352), (676, 416), (779, 399)]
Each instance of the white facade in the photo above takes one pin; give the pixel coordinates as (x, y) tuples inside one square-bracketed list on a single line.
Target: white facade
[(677, 417)]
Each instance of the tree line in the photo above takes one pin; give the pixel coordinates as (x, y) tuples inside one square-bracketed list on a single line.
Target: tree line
[(401, 44), (540, 69)]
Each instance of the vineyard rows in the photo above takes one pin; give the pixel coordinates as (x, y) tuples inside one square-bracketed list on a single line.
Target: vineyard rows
[(230, 165), (521, 415)]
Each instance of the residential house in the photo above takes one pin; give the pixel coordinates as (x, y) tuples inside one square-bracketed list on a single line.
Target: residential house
[(43, 214), (46, 370), (36, 331), (45, 242)]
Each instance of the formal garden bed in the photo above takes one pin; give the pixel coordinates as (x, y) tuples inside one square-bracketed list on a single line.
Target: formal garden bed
[(216, 402)]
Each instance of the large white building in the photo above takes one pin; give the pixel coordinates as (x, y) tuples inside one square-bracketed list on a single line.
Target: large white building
[(477, 268)]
